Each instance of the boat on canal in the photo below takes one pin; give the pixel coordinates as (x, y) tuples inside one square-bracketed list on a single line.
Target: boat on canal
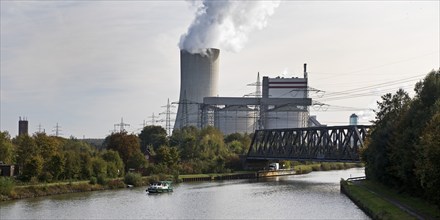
[(160, 187)]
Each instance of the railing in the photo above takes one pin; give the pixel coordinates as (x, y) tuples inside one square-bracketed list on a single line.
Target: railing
[(352, 179)]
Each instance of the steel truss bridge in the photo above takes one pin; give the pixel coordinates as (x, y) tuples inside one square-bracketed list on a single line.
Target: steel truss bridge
[(338, 143)]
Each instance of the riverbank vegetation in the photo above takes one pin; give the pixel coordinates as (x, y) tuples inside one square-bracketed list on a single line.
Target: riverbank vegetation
[(125, 159), (44, 159), (307, 167), (375, 199), (403, 146)]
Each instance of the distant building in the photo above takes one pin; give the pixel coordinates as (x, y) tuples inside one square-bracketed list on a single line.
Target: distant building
[(353, 119), (8, 169), (23, 126)]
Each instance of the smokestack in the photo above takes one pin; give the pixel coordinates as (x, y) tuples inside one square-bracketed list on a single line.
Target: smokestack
[(198, 79), (23, 126), (305, 70)]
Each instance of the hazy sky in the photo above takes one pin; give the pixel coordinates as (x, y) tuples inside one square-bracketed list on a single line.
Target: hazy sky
[(86, 64)]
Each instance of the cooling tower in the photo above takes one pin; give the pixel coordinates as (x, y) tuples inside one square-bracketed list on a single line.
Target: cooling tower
[(198, 79)]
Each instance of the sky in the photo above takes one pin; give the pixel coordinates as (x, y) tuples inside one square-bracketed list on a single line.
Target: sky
[(87, 64)]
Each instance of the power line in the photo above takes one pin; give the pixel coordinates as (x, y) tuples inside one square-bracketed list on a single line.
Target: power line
[(361, 91), (378, 66)]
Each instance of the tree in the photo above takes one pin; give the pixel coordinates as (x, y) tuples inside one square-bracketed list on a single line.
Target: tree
[(403, 144), (99, 167), (115, 166), (6, 148), (25, 149), (54, 166), (186, 139), (137, 161), (168, 156), (379, 142), (409, 128), (72, 165), (428, 163), (125, 144), (48, 145), (33, 167), (86, 165), (154, 136)]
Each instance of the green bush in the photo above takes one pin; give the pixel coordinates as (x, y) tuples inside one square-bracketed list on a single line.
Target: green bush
[(93, 180), (115, 183), (153, 178), (6, 186), (325, 166), (303, 169), (134, 179), (102, 180), (316, 167)]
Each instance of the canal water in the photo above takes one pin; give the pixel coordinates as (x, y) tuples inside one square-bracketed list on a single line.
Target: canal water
[(311, 196)]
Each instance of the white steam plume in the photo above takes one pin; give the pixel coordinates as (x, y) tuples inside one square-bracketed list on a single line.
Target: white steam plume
[(225, 24)]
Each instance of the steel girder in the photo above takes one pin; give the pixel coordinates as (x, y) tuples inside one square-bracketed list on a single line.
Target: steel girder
[(338, 143)]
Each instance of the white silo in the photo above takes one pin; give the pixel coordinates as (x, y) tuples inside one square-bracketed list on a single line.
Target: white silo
[(285, 117), (235, 119), (198, 79), (353, 119)]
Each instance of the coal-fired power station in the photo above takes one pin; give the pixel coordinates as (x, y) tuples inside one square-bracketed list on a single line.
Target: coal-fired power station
[(198, 79), (284, 102)]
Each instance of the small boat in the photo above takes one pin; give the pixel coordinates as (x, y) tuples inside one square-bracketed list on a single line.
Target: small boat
[(160, 187)]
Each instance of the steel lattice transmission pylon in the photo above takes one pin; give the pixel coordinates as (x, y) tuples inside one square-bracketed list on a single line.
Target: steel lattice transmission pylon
[(168, 113)]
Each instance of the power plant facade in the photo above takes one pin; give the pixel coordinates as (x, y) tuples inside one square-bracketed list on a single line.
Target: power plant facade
[(287, 115), (198, 79), (284, 102)]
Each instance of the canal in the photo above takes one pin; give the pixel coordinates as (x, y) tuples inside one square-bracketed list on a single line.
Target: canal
[(311, 196)]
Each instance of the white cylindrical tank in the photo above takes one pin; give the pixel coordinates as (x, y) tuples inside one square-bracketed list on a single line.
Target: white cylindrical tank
[(353, 119), (198, 79), (285, 117), (235, 119)]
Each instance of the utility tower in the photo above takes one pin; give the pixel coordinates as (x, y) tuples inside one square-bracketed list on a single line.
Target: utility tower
[(185, 114), (121, 125), (256, 94), (168, 116), (40, 129), (153, 119), (57, 130)]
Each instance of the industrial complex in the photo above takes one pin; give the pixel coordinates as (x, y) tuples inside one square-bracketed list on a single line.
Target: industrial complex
[(278, 102)]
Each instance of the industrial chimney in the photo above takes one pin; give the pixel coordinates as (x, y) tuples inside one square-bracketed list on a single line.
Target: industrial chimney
[(198, 79), (23, 126)]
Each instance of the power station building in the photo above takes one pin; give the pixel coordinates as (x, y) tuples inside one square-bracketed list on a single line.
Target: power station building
[(284, 102)]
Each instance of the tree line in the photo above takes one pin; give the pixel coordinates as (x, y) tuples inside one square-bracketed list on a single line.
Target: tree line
[(403, 146), (44, 158)]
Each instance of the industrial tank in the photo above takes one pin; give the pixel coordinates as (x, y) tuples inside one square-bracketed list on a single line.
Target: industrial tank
[(235, 119), (286, 117), (198, 79)]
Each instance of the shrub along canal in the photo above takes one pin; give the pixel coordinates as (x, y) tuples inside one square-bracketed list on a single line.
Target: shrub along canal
[(315, 195)]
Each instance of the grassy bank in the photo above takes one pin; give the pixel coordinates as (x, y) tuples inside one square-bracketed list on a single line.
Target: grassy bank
[(325, 166), (213, 175), (380, 202), (46, 189), (9, 189)]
